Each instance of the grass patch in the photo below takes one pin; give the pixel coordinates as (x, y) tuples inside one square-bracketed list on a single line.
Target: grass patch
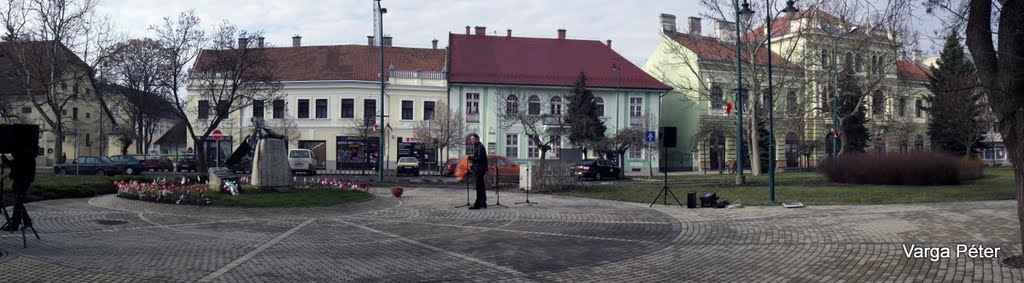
[(297, 198), (48, 186), (809, 188)]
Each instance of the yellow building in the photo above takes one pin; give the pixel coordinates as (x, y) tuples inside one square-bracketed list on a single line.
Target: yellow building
[(328, 91)]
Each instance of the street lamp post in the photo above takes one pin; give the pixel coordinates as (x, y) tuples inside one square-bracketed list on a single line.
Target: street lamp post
[(835, 89), (744, 16), (380, 149)]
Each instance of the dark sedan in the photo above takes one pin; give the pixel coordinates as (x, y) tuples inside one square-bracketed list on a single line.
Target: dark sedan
[(596, 169), (131, 164), (89, 165), (186, 163)]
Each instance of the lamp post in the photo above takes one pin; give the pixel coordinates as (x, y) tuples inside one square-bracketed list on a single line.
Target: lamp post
[(618, 77), (380, 149), (835, 89), (744, 16)]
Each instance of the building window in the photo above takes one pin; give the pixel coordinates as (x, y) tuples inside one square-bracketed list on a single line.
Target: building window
[(919, 143), (222, 108), (26, 110), (902, 107), (824, 59), (407, 106), (532, 151), (534, 105), (88, 140), (599, 103), (74, 114), (204, 109), (874, 64), (88, 115), (472, 107), (636, 108), (369, 111), (635, 152), (877, 103), (512, 145), (556, 144), (860, 63), (791, 106), (511, 104), (278, 108), (348, 108), (919, 108), (303, 108), (716, 97), (903, 146), (321, 108), (848, 64), (257, 108), (556, 106), (428, 110)]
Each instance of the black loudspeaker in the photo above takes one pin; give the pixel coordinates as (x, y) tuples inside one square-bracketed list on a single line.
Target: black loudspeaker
[(691, 200), (709, 200), (19, 139)]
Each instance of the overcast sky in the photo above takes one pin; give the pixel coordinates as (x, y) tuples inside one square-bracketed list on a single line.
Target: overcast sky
[(631, 25)]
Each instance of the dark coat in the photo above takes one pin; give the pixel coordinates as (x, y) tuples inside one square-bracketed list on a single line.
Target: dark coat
[(478, 159)]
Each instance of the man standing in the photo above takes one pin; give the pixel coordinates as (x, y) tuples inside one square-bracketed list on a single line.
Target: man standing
[(478, 166)]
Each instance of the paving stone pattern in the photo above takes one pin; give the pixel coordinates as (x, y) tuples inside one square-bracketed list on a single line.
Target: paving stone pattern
[(424, 237)]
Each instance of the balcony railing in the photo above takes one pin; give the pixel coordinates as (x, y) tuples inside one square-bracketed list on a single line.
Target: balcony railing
[(473, 118), (553, 120), (417, 74)]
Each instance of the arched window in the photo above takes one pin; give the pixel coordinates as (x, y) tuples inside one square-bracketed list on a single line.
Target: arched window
[(791, 106), (534, 105), (874, 64), (792, 150), (556, 106), (860, 63), (511, 104), (919, 143), (903, 146), (599, 109), (824, 59), (716, 97)]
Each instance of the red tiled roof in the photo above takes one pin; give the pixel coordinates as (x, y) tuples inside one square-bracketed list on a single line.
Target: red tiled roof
[(540, 61), (908, 70), (11, 75), (343, 62), (714, 50), (781, 25)]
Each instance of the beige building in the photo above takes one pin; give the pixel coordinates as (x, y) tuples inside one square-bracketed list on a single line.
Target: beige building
[(328, 93)]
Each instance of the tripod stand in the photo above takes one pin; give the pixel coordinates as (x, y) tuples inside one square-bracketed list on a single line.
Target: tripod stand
[(529, 183), (20, 213), (497, 195), (664, 189), (3, 205)]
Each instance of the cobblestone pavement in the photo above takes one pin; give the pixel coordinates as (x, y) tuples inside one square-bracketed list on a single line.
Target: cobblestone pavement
[(424, 237)]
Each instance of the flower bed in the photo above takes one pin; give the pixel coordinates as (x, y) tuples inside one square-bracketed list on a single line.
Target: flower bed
[(307, 183), (184, 192)]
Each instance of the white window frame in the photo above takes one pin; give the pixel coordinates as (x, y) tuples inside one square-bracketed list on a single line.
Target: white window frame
[(532, 151), (401, 110), (424, 113), (636, 152), (636, 109), (472, 106), (556, 108), (556, 144), (327, 110), (512, 144), (599, 102)]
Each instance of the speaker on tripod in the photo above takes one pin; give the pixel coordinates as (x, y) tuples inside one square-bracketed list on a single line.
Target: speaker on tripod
[(21, 142)]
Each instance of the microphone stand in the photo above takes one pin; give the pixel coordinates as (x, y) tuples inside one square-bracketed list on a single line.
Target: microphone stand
[(497, 195), (528, 189)]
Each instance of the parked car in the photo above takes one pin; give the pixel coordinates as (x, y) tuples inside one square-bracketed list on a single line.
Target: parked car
[(159, 163), (301, 160), (132, 165), (186, 163), (449, 167), (499, 165), (89, 165), (408, 165), (596, 169)]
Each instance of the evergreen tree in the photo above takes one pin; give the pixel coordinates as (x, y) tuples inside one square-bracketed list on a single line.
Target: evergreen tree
[(585, 128), (953, 103), (764, 138), (855, 136)]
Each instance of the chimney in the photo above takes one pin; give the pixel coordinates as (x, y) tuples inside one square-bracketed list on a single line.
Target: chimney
[(509, 33), (434, 43), (726, 31), (387, 40), (561, 33), (467, 30), (609, 43), (296, 41), (668, 23), (481, 31), (243, 42), (369, 40), (695, 27), (259, 42), (915, 55)]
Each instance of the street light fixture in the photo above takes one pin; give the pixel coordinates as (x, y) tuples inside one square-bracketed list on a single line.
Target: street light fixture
[(380, 149), (835, 88), (744, 16)]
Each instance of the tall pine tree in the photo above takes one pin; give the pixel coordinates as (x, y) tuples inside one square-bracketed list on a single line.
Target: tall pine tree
[(954, 102), (585, 128), (855, 136)]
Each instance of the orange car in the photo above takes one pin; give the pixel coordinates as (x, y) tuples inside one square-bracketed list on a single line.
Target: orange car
[(505, 167)]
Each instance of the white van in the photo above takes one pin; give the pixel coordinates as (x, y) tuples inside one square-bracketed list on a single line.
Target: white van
[(301, 160)]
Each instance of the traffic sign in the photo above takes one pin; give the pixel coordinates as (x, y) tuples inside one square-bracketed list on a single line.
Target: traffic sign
[(190, 150), (651, 136), (217, 135)]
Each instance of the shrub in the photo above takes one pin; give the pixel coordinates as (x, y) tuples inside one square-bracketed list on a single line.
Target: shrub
[(912, 168)]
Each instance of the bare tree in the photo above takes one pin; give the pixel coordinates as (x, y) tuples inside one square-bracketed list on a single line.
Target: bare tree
[(140, 66), (230, 75), (443, 131), (364, 129), (182, 40), (518, 109)]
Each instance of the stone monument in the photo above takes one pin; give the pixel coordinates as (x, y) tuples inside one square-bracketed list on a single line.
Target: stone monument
[(270, 170)]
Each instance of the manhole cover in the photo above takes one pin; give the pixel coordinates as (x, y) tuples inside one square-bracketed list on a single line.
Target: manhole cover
[(111, 222)]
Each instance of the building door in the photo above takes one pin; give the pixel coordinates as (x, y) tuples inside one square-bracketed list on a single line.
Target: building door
[(792, 155), (716, 151)]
